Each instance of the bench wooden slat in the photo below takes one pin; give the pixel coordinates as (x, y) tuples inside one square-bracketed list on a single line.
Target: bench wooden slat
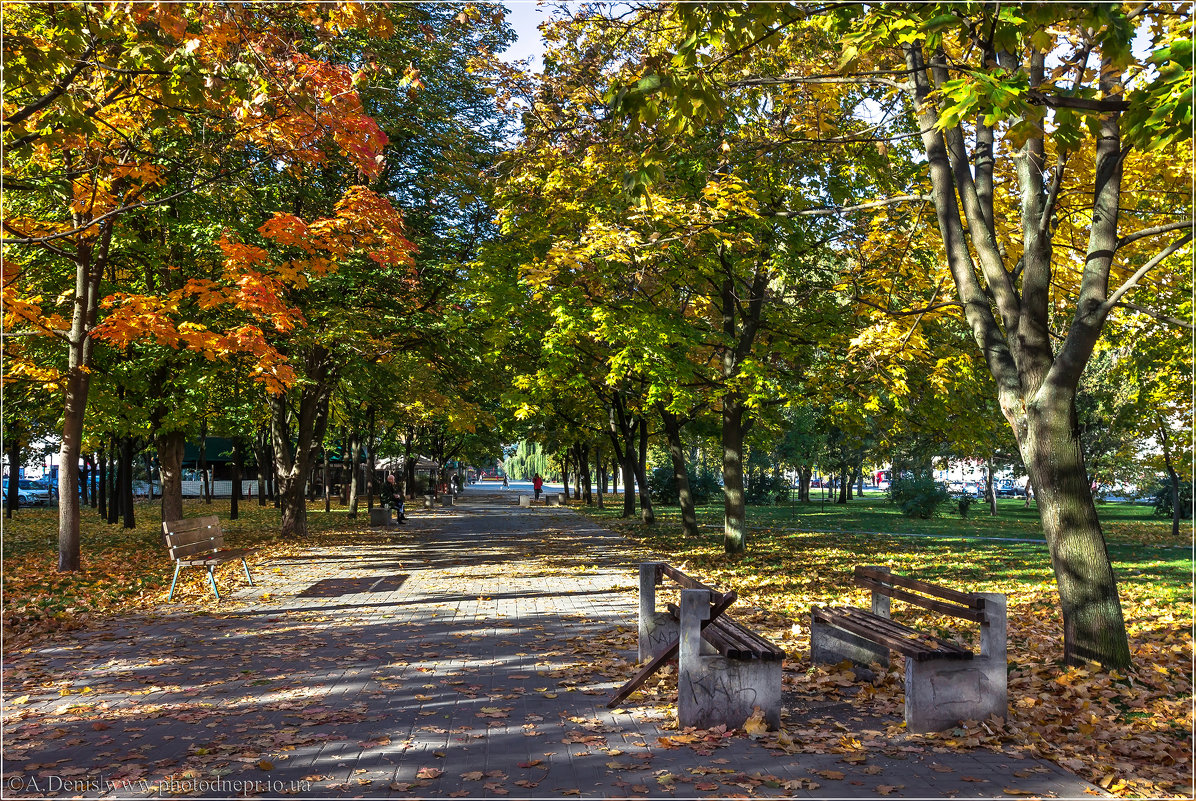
[(734, 640), (199, 542), (924, 587), (689, 582), (912, 643), (964, 612)]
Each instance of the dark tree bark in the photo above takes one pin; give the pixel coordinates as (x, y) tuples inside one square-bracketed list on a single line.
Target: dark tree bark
[(1173, 477), (990, 488), (238, 457), (203, 460), (102, 495), (803, 488), (115, 476), (94, 466), (672, 430), (170, 445), (587, 479), (734, 502), (327, 489), (354, 458), (600, 463), (369, 473), (306, 428), (641, 475), (14, 471), (261, 455), (740, 324), (126, 481)]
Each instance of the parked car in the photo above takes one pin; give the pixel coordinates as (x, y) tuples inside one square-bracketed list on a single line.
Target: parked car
[(30, 492), (1010, 489)]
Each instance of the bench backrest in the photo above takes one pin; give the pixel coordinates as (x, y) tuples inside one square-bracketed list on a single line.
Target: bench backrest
[(687, 582), (192, 536), (944, 600)]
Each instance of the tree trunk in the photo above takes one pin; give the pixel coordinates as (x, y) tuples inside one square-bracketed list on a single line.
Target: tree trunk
[(261, 455), (369, 473), (803, 488), (203, 460), (354, 456), (115, 476), (641, 475), (614, 475), (406, 487), (327, 491), (734, 507), (238, 456), (291, 466), (126, 482), (1093, 625), (14, 472), (600, 463), (565, 473), (1165, 441), (672, 430), (587, 478), (94, 466), (102, 493), (170, 445), (990, 488)]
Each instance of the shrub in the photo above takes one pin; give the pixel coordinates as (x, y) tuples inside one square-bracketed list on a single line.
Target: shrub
[(918, 496), (662, 485), (965, 503), (765, 488), (1162, 500)]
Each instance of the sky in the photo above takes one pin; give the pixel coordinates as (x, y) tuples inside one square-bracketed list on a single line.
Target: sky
[(524, 16)]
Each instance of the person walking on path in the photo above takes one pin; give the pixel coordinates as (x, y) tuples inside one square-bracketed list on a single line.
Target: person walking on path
[(393, 499), (505, 485), (537, 485)]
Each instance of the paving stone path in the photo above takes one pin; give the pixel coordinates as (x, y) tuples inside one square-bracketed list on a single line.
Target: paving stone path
[(444, 659)]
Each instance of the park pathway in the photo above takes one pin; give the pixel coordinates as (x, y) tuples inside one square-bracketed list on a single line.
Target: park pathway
[(468, 654)]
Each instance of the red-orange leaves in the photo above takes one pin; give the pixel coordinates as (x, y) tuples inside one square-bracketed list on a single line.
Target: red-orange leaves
[(256, 291)]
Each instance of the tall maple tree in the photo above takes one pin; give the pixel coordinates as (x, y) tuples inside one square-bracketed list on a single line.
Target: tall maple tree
[(113, 108)]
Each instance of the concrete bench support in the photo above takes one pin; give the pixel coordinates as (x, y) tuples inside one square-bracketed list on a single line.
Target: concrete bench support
[(554, 499), (940, 693), (429, 501), (712, 689), (380, 516), (525, 500), (448, 499), (657, 630)]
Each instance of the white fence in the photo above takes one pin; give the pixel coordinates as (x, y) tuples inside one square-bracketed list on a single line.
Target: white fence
[(220, 489)]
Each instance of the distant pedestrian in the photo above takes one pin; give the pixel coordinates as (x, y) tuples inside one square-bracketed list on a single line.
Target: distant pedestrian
[(505, 485), (537, 485)]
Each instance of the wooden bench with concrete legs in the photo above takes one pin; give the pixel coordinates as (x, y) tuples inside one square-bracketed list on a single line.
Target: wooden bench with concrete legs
[(725, 671), (199, 542), (945, 683)]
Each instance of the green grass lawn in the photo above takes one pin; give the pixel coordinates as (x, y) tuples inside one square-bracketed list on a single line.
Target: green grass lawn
[(1123, 523), (984, 546)]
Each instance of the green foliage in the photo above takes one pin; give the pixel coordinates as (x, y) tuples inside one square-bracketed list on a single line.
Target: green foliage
[(965, 502), (918, 495), (703, 486), (528, 460), (1162, 500), (766, 488)]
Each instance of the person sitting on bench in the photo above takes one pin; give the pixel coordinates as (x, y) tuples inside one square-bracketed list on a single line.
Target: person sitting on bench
[(392, 498)]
